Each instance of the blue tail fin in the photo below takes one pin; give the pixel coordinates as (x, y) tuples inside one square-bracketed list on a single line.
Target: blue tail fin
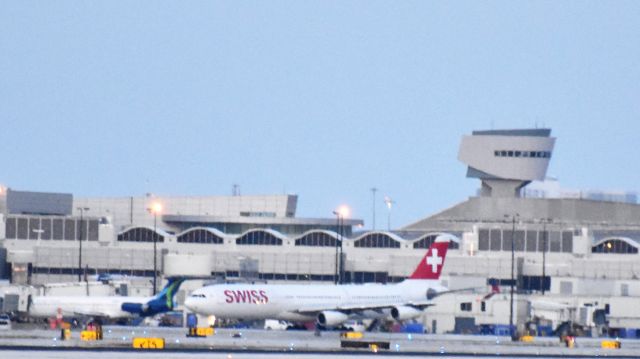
[(162, 302)]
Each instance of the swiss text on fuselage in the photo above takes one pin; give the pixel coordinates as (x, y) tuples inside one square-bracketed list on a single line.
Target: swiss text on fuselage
[(246, 296)]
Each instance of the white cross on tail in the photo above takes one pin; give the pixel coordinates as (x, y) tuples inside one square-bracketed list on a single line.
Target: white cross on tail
[(434, 261)]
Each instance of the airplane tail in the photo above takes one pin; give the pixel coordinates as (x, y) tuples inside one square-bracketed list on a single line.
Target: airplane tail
[(162, 302), (431, 265)]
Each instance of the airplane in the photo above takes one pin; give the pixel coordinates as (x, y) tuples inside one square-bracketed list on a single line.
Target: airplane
[(328, 305), (112, 307)]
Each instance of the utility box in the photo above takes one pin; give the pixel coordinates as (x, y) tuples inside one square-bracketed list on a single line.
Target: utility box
[(10, 303)]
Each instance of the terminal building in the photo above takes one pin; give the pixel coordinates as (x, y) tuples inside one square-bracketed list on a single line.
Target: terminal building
[(576, 259)]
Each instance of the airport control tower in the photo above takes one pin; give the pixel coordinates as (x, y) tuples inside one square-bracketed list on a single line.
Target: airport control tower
[(506, 160)]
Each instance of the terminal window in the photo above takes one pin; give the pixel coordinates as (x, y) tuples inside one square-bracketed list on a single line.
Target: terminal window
[(426, 242), (615, 246), (316, 239), (199, 236), (260, 238), (376, 240), (139, 235)]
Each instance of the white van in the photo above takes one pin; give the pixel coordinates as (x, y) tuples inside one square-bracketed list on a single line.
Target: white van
[(272, 324)]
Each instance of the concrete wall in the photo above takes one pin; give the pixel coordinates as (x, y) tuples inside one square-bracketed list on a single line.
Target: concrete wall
[(128, 211), (26, 202)]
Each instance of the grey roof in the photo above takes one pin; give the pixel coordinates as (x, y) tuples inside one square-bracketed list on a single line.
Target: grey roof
[(175, 218), (536, 132), (563, 212)]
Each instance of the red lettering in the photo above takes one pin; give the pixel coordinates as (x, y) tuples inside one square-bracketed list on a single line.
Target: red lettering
[(239, 296), (246, 296), (263, 294), (227, 293)]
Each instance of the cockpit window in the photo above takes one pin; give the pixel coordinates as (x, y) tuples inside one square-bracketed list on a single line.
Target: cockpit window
[(198, 296)]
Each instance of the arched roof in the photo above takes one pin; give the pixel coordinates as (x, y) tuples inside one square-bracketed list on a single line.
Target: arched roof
[(318, 238), (426, 240), (201, 235), (391, 235), (266, 230), (159, 231), (261, 236), (214, 231), (376, 239), (324, 231), (449, 236), (143, 234)]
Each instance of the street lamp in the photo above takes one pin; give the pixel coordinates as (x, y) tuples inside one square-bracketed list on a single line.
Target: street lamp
[(373, 196), (155, 208), (514, 218), (81, 209), (335, 276), (389, 203), (341, 212), (544, 222)]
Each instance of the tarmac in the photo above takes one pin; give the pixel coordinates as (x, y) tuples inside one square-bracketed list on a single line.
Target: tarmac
[(252, 343)]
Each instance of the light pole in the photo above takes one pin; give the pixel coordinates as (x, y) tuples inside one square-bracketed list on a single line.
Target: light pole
[(341, 263), (513, 255), (544, 251), (155, 209), (373, 196), (389, 203), (81, 209), (335, 277), (341, 213)]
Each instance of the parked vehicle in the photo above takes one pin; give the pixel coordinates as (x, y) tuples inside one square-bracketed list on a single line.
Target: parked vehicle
[(5, 322), (354, 326), (272, 324)]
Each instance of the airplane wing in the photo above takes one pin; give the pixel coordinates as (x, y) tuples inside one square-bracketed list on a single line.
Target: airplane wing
[(431, 295), (421, 304), (99, 313), (362, 307)]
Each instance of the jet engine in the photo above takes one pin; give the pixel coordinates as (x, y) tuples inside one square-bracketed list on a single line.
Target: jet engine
[(330, 318), (404, 312)]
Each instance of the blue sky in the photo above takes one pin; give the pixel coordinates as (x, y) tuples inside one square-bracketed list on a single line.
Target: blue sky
[(325, 99)]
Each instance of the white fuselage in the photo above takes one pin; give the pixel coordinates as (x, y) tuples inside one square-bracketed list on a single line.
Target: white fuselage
[(302, 302), (91, 306)]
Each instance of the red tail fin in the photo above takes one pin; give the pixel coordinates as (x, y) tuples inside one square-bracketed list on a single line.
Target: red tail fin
[(431, 265)]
